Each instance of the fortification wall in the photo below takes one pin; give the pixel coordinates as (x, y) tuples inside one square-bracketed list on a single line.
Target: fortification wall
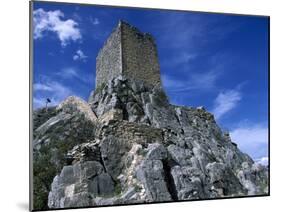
[(108, 61), (139, 55), (130, 53)]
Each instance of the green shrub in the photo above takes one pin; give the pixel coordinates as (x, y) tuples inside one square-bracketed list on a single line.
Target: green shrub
[(117, 188), (100, 88), (137, 188)]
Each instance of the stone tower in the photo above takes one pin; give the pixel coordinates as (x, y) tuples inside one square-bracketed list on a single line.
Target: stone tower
[(130, 53)]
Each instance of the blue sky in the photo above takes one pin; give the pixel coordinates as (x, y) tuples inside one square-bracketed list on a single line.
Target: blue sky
[(215, 60)]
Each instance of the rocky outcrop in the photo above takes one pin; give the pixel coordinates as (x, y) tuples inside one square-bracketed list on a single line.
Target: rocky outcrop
[(73, 119), (65, 126), (129, 145)]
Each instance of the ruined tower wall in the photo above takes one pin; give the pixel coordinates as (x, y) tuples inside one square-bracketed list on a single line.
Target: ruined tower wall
[(108, 61), (130, 53), (139, 55)]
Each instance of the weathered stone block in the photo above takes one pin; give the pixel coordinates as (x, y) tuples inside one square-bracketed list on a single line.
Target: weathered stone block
[(105, 185)]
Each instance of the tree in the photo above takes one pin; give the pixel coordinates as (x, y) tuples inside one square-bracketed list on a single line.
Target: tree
[(47, 102)]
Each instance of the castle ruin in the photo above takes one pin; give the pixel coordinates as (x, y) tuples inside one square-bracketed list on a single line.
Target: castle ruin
[(130, 53)]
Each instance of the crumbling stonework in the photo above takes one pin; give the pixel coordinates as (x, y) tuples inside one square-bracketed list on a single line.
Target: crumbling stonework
[(128, 144), (139, 55), (130, 53), (147, 150), (108, 61)]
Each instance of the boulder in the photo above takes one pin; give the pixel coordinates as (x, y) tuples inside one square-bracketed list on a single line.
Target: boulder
[(152, 175)]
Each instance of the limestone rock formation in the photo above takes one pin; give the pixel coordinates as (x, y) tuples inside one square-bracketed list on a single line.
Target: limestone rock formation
[(56, 131), (129, 145)]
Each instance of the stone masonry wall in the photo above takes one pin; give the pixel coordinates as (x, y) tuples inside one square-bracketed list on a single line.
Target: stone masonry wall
[(139, 55), (108, 61), (130, 53)]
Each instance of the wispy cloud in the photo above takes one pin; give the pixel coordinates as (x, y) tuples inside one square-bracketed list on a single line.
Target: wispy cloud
[(180, 88), (66, 30), (53, 86), (184, 34), (72, 73), (68, 73), (194, 30), (252, 139), (262, 160), (195, 81), (42, 87), (79, 55), (77, 17), (51, 89), (94, 21), (39, 102), (226, 101), (182, 58)]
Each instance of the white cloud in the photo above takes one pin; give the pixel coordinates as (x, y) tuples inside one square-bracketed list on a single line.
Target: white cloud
[(94, 21), (252, 134), (74, 73), (79, 55), (68, 73), (41, 87), (225, 102), (66, 30), (252, 139), (262, 160)]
